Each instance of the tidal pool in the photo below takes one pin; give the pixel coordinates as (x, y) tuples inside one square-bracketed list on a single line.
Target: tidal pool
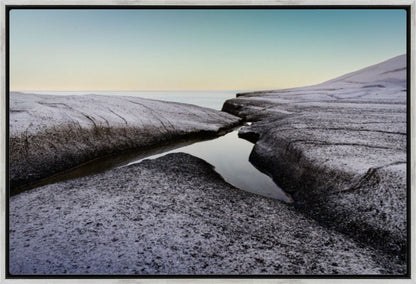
[(229, 155)]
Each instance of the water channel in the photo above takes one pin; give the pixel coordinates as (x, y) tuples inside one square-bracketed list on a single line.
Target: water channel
[(229, 155)]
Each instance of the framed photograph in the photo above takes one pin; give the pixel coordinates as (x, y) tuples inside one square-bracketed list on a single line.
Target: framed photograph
[(207, 141)]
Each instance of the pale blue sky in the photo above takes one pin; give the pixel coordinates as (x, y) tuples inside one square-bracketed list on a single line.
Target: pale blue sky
[(196, 49)]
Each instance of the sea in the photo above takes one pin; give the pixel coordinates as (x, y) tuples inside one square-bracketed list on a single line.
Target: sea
[(209, 99)]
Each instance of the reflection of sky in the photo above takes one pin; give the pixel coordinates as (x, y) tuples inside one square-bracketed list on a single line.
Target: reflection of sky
[(229, 155), (196, 49)]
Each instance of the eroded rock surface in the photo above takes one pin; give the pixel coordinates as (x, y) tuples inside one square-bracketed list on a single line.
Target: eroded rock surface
[(339, 148), (49, 134), (174, 215)]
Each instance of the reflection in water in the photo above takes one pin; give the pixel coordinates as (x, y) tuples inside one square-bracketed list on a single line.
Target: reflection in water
[(229, 155)]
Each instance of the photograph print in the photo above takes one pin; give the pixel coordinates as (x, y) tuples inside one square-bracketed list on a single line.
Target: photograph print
[(190, 141)]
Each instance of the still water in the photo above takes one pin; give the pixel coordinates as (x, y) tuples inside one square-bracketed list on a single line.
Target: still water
[(229, 154)]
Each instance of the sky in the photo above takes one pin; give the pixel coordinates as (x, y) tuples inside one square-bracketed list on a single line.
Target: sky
[(179, 49)]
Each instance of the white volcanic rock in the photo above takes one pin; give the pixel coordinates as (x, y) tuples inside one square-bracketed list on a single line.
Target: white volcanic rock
[(50, 133), (339, 148)]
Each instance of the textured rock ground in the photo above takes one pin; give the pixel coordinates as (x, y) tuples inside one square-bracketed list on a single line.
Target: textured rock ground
[(339, 148), (174, 215), (49, 134)]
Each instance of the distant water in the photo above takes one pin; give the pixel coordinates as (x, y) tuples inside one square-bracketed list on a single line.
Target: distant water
[(210, 99)]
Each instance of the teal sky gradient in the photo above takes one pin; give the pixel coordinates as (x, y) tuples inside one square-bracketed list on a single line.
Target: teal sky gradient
[(196, 49)]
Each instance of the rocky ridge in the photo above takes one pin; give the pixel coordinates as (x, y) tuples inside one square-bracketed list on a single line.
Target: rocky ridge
[(339, 148)]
